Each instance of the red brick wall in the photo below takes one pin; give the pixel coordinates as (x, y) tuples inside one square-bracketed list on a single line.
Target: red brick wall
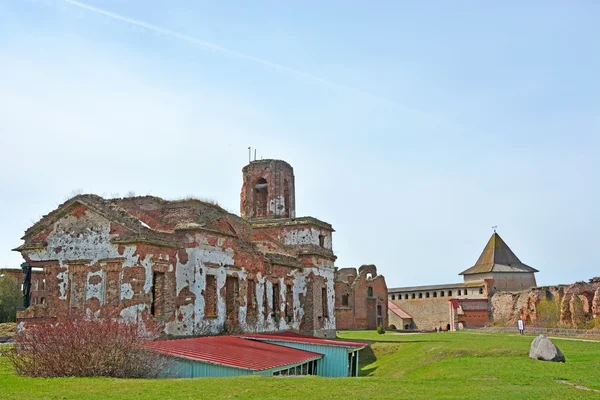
[(361, 311)]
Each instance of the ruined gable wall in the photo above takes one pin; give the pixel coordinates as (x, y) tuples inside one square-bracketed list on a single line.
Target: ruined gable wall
[(362, 309)]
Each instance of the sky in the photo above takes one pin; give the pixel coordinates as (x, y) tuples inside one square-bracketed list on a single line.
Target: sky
[(412, 127)]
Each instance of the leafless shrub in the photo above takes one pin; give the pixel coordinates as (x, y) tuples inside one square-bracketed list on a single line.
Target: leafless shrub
[(81, 346)]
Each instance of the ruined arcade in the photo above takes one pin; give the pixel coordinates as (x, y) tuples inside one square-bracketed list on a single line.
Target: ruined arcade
[(189, 266)]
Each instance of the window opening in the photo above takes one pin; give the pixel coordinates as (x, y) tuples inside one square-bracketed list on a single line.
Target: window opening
[(158, 282), (289, 303), (345, 299), (251, 295), (261, 195), (370, 291), (276, 295), (210, 296), (324, 307), (231, 295)]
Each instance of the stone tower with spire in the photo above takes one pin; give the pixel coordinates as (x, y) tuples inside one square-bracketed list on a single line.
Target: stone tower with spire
[(497, 262)]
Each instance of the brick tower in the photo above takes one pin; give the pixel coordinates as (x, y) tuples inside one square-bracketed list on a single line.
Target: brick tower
[(268, 190)]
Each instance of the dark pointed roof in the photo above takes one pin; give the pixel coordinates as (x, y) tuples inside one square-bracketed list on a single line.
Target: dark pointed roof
[(497, 257)]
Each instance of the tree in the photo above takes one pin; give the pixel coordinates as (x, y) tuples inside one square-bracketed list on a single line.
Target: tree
[(548, 313), (10, 298)]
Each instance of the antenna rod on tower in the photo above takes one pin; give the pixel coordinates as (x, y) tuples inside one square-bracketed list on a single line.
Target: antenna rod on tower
[(249, 154)]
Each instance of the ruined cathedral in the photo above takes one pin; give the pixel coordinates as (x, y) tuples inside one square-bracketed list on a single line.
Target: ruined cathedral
[(189, 266)]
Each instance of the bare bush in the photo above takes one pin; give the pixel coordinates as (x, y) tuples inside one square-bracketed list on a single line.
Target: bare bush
[(81, 346)]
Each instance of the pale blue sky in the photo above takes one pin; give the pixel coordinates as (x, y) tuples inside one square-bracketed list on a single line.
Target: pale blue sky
[(412, 127)]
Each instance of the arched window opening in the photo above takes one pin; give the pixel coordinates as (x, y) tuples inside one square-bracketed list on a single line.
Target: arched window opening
[(449, 293), (393, 297), (413, 296), (406, 296), (261, 194), (420, 295), (434, 294), (442, 293), (480, 290), (370, 291), (427, 295), (459, 293)]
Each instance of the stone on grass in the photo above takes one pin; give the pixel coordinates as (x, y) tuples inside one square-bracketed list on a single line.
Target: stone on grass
[(543, 349)]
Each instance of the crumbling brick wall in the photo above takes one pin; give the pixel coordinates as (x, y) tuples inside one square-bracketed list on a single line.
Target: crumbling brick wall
[(360, 298), (508, 307)]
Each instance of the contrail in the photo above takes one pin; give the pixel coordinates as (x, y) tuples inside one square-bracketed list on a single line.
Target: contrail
[(232, 53)]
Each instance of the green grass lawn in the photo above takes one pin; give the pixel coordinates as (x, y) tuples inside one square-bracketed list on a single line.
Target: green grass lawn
[(459, 365)]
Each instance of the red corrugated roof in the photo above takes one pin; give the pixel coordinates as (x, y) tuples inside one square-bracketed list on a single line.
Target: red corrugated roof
[(397, 310), (233, 351), (289, 336)]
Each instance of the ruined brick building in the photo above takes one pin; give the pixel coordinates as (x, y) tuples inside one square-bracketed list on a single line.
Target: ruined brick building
[(466, 304), (38, 292), (187, 265), (360, 298)]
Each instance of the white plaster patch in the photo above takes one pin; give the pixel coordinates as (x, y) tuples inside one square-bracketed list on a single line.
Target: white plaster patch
[(126, 291), (63, 282), (202, 260), (95, 290), (132, 313), (277, 205), (307, 236)]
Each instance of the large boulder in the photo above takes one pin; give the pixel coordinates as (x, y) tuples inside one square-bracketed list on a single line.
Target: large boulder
[(543, 349)]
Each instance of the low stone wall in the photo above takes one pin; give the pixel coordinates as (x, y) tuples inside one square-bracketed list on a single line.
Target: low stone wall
[(580, 333)]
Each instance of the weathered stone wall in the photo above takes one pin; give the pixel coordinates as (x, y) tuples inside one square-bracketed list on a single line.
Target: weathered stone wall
[(506, 281), (508, 307)]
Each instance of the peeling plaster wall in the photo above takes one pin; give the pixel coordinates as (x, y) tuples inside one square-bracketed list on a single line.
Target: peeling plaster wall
[(307, 236), (277, 206), (120, 277), (85, 240)]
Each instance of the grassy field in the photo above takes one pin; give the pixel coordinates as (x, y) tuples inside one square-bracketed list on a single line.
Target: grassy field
[(422, 366)]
